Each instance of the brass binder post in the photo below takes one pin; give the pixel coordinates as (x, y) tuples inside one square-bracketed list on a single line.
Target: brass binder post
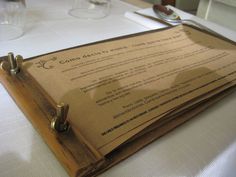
[(12, 64), (59, 122)]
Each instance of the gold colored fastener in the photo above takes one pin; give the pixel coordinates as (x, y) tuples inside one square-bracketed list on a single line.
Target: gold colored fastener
[(11, 64), (59, 122)]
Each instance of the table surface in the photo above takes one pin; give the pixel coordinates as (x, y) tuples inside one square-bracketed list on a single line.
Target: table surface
[(204, 146)]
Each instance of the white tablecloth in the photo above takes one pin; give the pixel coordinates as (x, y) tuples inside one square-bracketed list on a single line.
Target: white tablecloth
[(204, 146)]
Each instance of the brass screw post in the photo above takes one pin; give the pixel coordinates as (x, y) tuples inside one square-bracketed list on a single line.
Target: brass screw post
[(14, 69)]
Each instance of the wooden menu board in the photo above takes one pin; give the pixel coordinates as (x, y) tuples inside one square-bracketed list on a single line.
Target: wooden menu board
[(107, 100)]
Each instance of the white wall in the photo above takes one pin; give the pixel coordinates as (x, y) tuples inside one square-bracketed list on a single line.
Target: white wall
[(222, 12)]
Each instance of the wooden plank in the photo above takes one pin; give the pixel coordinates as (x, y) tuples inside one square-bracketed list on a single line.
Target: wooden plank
[(70, 151), (168, 2)]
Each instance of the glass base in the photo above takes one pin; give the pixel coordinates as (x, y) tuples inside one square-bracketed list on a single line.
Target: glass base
[(88, 13), (9, 32)]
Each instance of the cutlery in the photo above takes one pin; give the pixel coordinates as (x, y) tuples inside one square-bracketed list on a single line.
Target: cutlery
[(168, 15)]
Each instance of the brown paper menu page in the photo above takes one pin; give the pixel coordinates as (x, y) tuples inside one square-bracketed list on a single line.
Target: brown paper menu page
[(117, 88)]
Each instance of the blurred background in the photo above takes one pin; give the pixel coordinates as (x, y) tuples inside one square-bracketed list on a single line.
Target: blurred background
[(186, 5), (222, 12)]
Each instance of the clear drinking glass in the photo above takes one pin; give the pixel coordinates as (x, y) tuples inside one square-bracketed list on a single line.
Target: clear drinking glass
[(12, 19), (90, 9)]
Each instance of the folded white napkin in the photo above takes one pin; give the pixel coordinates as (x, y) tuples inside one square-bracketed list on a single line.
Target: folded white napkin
[(147, 22)]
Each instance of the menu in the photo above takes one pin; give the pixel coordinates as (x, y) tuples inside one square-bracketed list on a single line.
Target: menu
[(117, 88)]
